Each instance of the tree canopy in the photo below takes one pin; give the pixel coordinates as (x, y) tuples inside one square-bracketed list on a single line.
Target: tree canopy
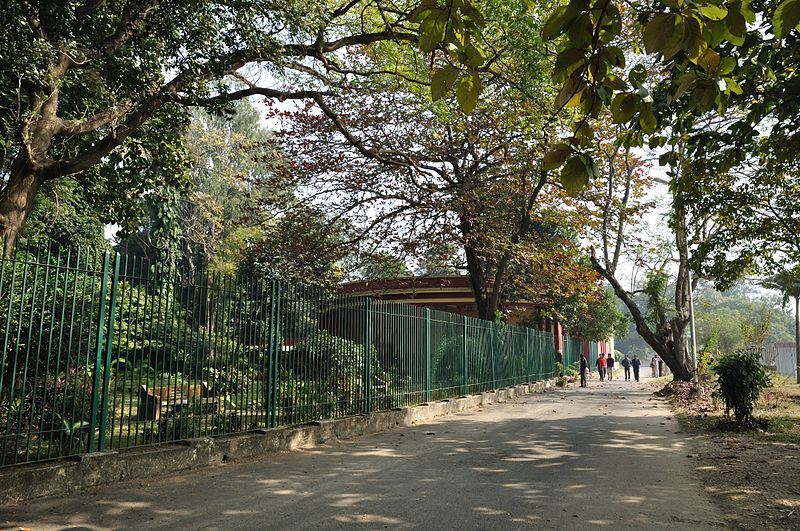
[(101, 90)]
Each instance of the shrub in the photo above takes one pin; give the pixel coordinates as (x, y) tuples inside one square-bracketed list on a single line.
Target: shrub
[(560, 379), (740, 380)]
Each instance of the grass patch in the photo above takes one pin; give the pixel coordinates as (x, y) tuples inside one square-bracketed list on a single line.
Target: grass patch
[(777, 413)]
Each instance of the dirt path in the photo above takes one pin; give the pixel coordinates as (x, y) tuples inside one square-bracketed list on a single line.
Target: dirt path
[(605, 457)]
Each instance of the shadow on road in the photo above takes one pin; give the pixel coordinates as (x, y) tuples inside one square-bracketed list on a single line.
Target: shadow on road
[(575, 458)]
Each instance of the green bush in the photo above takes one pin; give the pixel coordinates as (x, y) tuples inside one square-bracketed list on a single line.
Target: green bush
[(740, 380), (560, 379), (574, 369)]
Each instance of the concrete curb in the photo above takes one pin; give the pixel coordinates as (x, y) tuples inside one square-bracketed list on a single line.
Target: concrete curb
[(68, 475)]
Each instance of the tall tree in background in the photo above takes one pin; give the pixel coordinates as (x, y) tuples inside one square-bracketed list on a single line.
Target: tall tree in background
[(206, 226)]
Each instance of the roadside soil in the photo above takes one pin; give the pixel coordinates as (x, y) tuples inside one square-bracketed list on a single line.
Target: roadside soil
[(753, 476)]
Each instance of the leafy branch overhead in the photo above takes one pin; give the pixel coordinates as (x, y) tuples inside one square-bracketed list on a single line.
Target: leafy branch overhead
[(711, 55), (452, 27)]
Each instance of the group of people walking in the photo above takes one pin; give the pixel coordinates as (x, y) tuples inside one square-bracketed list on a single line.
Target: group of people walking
[(605, 367)]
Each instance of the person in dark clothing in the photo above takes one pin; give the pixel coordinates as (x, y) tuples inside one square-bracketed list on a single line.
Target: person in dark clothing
[(626, 364), (610, 366), (636, 363), (584, 370)]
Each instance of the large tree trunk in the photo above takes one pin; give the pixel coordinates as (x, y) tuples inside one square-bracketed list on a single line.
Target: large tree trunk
[(676, 355), (672, 352), (16, 201)]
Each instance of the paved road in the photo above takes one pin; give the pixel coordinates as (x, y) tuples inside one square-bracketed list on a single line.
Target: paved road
[(606, 457)]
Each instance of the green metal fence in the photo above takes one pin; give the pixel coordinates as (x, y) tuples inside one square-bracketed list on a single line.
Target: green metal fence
[(103, 351), (572, 350)]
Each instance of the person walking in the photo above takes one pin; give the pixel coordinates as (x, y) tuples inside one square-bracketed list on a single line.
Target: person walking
[(626, 364), (635, 364), (653, 367), (584, 369), (610, 366), (601, 366)]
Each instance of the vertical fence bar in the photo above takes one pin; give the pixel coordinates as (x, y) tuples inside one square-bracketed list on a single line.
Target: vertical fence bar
[(101, 445), (276, 352), (427, 355), (269, 391), (491, 354), (98, 363), (367, 356), (464, 355)]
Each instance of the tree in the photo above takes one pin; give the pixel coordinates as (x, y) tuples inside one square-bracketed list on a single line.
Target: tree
[(439, 260), (383, 265), (60, 216), (302, 246), (100, 90), (416, 174), (788, 282), (756, 214), (712, 56), (595, 319), (424, 178)]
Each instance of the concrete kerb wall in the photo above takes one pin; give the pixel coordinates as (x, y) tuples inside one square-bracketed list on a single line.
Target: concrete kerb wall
[(35, 480)]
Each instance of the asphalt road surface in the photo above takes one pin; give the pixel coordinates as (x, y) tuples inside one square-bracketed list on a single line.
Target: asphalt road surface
[(606, 457)]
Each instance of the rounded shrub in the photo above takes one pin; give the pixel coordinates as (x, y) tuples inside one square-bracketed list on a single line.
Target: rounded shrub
[(740, 379)]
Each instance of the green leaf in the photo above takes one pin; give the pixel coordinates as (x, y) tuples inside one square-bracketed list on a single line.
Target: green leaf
[(658, 31), (442, 81), (676, 43), (717, 32), (709, 61), (733, 86), (473, 57), (431, 30), (614, 56), (747, 11), (580, 31), (713, 12), (786, 17), (468, 89), (615, 83), (570, 93), (575, 175), (726, 66), (737, 27), (694, 41), (622, 108), (584, 134), (647, 119), (557, 22), (556, 156), (684, 82), (568, 60), (423, 10), (704, 95)]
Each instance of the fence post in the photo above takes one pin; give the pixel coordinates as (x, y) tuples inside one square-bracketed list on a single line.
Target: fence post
[(527, 355), (275, 349), (427, 354), (109, 348), (98, 362), (367, 351), (464, 355), (491, 353)]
